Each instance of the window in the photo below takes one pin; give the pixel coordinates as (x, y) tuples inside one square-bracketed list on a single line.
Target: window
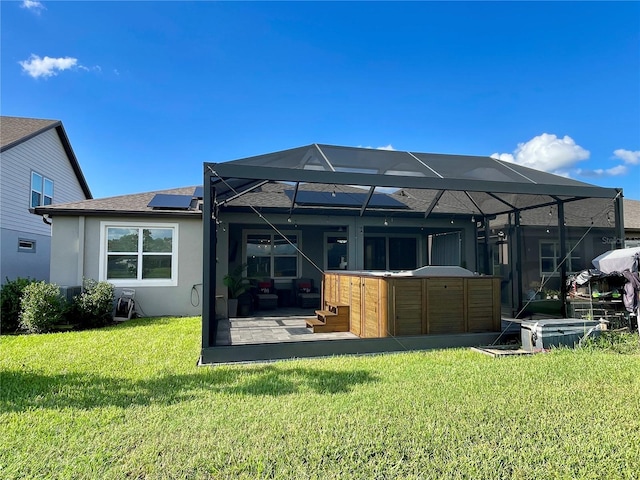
[(27, 246), (41, 190), (139, 254), (550, 259), (390, 253), (270, 255)]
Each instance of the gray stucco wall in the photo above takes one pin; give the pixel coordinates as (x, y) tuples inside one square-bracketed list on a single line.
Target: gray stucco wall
[(312, 229), (76, 254)]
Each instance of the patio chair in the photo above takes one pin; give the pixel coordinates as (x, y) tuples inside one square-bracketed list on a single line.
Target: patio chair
[(307, 295), (265, 295)]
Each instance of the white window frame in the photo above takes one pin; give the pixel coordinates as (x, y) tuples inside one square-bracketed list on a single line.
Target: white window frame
[(40, 190), (297, 233), (556, 259), (26, 245), (139, 282)]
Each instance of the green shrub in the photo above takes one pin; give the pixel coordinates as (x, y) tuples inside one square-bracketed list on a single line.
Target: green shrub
[(10, 296), (42, 307), (94, 306)]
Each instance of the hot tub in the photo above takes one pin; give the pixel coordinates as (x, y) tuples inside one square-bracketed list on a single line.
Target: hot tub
[(425, 301)]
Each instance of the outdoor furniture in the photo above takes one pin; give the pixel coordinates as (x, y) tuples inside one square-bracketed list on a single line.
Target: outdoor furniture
[(265, 295), (306, 294)]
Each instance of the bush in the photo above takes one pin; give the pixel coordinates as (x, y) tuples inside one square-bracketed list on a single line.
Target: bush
[(10, 296), (42, 307), (94, 306)]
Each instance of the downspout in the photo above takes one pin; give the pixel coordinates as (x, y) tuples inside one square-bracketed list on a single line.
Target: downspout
[(81, 241)]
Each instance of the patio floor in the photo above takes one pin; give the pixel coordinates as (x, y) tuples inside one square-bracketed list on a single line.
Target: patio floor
[(273, 326), (282, 334)]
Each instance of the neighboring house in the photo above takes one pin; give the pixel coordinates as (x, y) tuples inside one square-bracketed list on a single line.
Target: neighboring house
[(589, 231), (631, 223), (148, 242), (37, 168)]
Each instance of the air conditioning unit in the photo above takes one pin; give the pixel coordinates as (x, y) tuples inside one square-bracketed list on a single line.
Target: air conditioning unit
[(69, 292)]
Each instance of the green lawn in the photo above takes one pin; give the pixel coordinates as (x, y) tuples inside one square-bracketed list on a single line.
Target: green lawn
[(130, 402)]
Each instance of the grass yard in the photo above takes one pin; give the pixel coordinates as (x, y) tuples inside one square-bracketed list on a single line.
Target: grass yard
[(130, 402)]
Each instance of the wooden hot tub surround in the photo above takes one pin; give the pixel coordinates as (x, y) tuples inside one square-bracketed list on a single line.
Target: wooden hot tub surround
[(383, 306)]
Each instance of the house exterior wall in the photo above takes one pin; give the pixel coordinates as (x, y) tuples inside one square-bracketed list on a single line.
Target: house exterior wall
[(19, 262), (589, 247), (76, 254), (312, 229), (45, 155)]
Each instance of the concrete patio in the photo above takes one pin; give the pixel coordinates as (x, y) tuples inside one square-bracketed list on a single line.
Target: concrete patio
[(273, 326)]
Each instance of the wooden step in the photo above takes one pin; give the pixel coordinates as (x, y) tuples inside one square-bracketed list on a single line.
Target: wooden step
[(325, 313), (312, 322), (340, 326)]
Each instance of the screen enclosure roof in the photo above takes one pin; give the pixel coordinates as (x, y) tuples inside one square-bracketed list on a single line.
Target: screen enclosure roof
[(482, 185)]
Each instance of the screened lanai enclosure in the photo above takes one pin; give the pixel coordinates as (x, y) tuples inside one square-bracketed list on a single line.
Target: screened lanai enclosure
[(292, 219)]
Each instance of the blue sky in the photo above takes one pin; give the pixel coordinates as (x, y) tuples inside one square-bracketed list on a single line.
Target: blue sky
[(148, 91)]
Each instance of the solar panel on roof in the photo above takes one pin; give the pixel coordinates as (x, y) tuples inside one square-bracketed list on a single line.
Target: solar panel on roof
[(342, 199), (198, 192), (175, 202)]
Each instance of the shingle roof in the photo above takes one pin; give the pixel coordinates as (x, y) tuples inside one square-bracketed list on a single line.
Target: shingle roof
[(134, 204), (631, 214), (271, 195), (16, 130)]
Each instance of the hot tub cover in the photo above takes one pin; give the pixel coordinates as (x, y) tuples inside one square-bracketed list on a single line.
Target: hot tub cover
[(436, 271)]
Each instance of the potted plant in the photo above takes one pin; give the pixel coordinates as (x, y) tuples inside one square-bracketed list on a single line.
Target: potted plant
[(238, 284)]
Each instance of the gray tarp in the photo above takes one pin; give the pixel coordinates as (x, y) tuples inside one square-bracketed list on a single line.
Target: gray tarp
[(618, 260)]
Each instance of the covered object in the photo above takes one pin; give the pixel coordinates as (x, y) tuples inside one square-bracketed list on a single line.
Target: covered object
[(618, 260), (611, 290)]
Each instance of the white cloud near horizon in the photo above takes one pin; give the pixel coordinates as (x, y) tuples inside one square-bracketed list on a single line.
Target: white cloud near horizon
[(627, 156), (47, 66), (386, 147), (33, 5), (547, 152), (604, 172)]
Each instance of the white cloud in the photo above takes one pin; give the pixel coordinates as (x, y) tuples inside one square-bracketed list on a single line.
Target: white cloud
[(548, 153), (386, 147), (601, 172), (627, 156), (32, 5), (47, 66)]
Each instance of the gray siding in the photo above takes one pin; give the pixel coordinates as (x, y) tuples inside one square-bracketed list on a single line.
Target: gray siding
[(19, 263), (45, 155), (76, 254)]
